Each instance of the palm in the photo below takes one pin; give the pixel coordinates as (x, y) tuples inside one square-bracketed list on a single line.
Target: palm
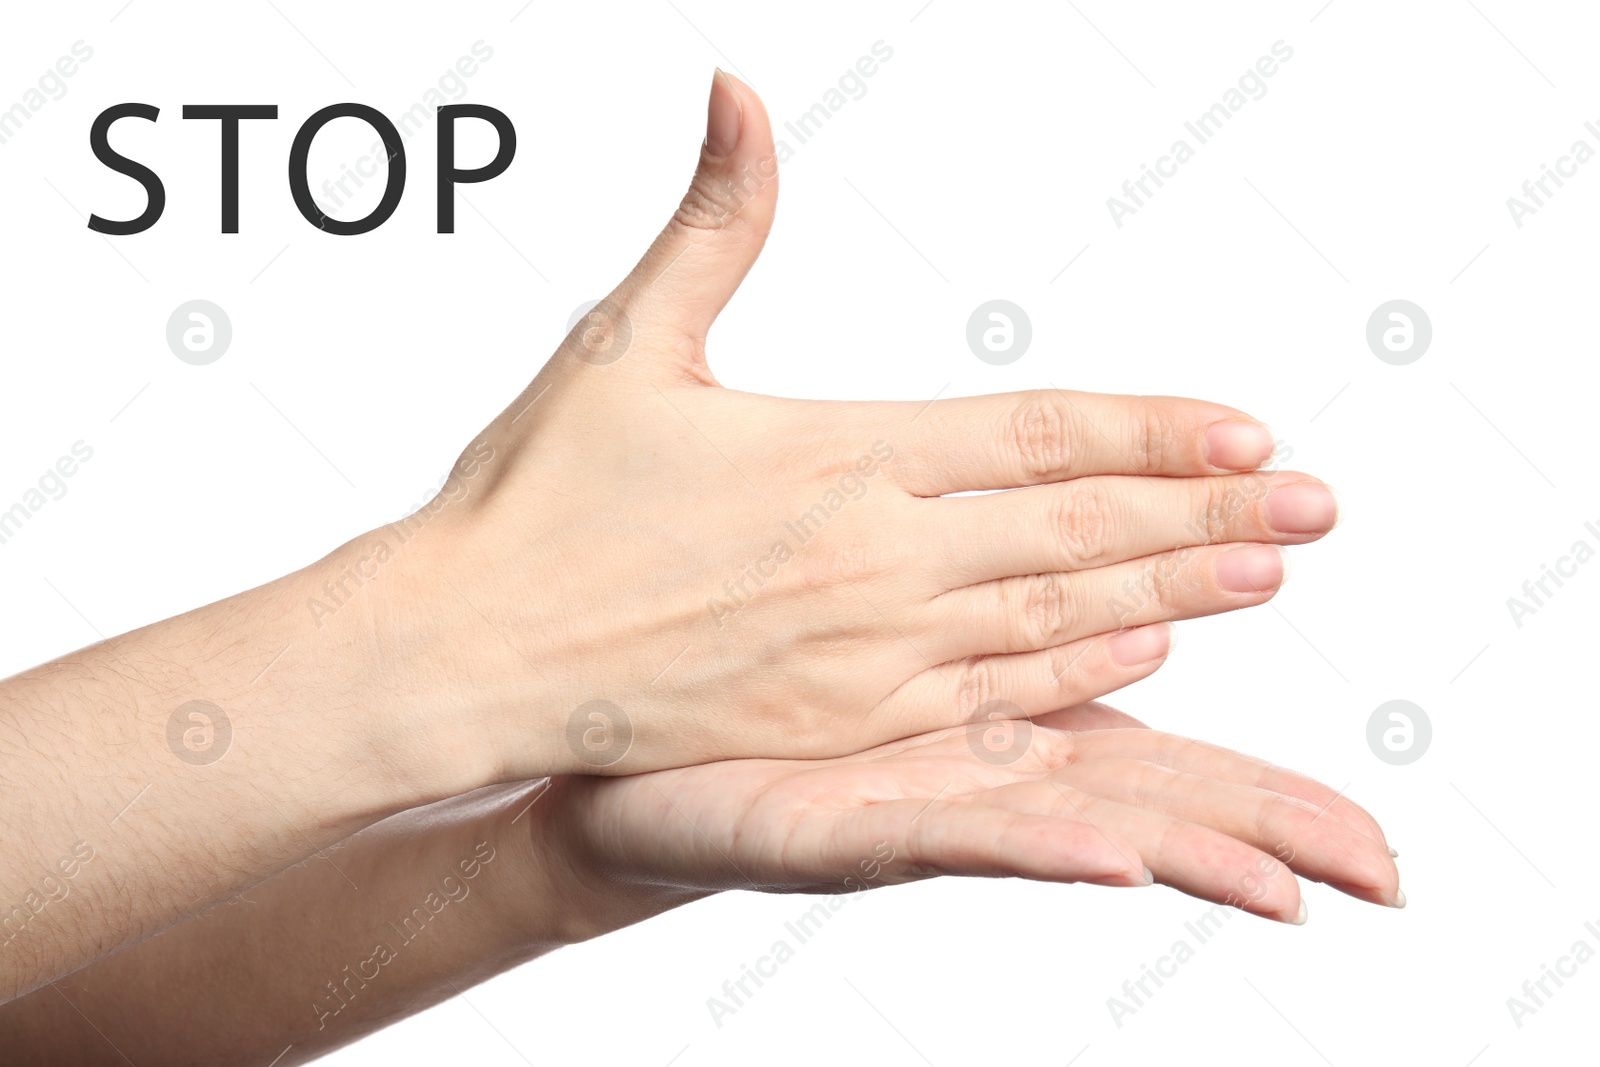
[(1090, 795)]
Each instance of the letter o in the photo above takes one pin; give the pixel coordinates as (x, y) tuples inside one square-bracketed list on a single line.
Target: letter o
[(300, 151)]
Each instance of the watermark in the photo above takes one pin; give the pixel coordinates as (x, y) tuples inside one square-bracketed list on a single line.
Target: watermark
[(1245, 491), (737, 992), (51, 85), (1399, 732), (605, 335), (1536, 992), (450, 86), (339, 992), (851, 486), (384, 545), (54, 887), (51, 485), (199, 733), (999, 734), (199, 332), (1137, 992), (1537, 592), (1536, 191), (1252, 85), (599, 733), (999, 332), (1399, 332), (851, 85)]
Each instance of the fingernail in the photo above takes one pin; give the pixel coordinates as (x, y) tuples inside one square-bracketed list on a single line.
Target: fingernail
[(1307, 507), (723, 117), (1299, 916), (1140, 644), (1392, 853), (1396, 901), (1238, 445), (1255, 569), (1126, 880)]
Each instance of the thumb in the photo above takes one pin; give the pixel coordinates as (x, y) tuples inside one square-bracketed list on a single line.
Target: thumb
[(694, 266)]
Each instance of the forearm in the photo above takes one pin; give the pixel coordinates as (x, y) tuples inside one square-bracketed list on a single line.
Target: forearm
[(398, 917), (156, 773)]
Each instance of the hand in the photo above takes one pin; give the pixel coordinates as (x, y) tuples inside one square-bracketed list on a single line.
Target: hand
[(634, 568), (496, 877), (1086, 794)]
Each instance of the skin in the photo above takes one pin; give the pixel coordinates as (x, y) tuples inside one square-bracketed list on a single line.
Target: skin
[(1093, 796), (565, 606)]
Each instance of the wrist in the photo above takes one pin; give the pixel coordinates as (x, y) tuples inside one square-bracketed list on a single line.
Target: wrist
[(427, 593), (340, 651), (575, 896)]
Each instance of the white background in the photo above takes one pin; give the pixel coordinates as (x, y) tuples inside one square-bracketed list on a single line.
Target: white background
[(977, 165)]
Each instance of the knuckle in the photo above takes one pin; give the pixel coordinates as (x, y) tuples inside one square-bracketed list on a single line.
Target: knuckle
[(1151, 784), (1264, 824), (979, 684), (1153, 444), (1168, 579), (1167, 846), (700, 209), (1043, 613), (1039, 434), (1084, 524), (709, 205), (1218, 503)]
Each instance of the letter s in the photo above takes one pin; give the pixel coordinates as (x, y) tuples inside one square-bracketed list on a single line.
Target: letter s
[(155, 192)]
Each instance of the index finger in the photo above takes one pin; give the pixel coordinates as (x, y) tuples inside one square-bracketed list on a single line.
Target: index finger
[(1010, 440)]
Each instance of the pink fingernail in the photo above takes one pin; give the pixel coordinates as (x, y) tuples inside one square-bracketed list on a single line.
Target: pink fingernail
[(723, 117), (1301, 509), (1255, 569), (1125, 880), (1140, 645), (1238, 445)]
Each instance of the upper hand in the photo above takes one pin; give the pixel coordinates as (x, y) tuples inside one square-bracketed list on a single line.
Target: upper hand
[(635, 568)]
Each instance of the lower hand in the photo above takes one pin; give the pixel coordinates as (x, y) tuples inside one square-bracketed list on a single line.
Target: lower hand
[(1086, 794)]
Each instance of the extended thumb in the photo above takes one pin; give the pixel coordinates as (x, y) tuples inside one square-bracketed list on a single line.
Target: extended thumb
[(693, 268)]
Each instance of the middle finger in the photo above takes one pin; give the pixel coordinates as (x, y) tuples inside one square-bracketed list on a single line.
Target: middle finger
[(1093, 522)]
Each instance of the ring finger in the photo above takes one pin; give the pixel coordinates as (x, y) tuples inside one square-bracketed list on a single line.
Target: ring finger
[(1037, 611)]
